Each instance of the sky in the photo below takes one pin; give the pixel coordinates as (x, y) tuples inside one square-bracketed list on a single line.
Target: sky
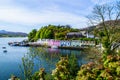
[(25, 15)]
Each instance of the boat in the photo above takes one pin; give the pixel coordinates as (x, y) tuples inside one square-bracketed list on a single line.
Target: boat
[(9, 43), (13, 43), (23, 44), (4, 51), (4, 47), (54, 47)]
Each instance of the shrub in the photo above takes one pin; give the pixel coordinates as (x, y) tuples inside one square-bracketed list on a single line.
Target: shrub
[(40, 75), (109, 70), (62, 70)]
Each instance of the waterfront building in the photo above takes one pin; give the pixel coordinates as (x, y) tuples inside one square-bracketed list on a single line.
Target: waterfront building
[(90, 35), (40, 41), (81, 34), (46, 42), (74, 35), (87, 43), (65, 43), (54, 42), (75, 43), (50, 43)]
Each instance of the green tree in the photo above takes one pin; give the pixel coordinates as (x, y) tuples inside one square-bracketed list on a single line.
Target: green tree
[(73, 66), (51, 32), (37, 36), (31, 35)]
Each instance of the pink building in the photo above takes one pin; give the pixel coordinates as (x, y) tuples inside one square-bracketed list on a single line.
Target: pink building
[(54, 42)]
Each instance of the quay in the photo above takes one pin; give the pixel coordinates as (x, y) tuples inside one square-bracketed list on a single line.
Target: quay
[(62, 44)]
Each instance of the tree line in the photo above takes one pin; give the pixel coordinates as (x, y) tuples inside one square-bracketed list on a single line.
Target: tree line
[(51, 32)]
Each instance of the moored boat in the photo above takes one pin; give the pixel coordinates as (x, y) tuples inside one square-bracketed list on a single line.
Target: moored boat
[(23, 44), (18, 43), (15, 44), (3, 47), (4, 51)]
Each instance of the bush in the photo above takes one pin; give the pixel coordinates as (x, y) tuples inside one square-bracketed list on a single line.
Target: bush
[(62, 70), (40, 75), (109, 70)]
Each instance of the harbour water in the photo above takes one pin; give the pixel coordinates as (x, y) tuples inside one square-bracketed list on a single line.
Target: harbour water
[(11, 61)]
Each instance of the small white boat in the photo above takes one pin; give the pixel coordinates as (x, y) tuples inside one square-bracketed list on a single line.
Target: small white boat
[(54, 47)]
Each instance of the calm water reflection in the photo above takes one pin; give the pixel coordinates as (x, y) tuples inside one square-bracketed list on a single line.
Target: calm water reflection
[(18, 59)]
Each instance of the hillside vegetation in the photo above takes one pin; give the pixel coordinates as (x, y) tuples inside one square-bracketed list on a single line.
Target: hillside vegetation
[(99, 27), (51, 32)]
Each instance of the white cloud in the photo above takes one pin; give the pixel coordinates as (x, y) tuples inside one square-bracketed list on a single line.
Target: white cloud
[(32, 15), (23, 16)]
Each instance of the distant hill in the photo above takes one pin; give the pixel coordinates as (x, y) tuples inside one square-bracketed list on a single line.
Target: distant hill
[(98, 27), (89, 29), (4, 33)]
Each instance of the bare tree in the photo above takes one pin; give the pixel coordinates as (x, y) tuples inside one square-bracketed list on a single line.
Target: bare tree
[(107, 16)]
